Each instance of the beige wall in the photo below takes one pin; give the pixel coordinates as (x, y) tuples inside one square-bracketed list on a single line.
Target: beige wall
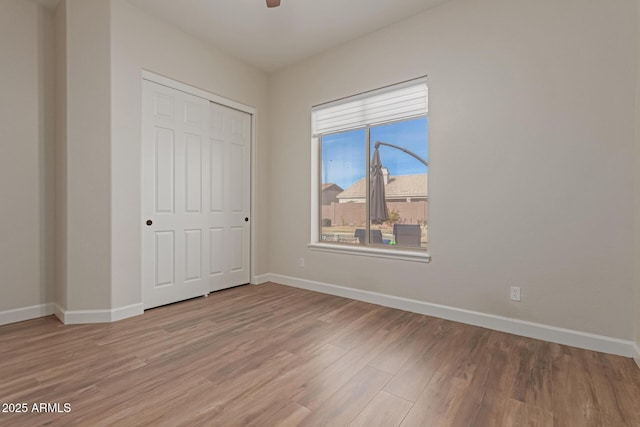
[(26, 155), (88, 166), (532, 131), (101, 47), (60, 36), (139, 42), (531, 151), (47, 152)]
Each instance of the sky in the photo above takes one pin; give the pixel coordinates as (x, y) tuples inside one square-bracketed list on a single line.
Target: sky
[(344, 156)]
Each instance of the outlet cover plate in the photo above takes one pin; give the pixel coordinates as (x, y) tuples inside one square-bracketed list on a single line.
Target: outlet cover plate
[(515, 293)]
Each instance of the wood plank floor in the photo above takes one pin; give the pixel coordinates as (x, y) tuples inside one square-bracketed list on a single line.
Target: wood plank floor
[(271, 355)]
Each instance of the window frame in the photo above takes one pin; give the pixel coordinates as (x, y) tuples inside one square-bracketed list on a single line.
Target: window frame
[(366, 249)]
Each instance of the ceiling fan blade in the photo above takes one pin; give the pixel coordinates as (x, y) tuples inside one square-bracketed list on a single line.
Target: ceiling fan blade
[(273, 3)]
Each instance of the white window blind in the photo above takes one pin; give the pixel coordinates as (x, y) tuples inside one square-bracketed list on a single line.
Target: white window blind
[(396, 102)]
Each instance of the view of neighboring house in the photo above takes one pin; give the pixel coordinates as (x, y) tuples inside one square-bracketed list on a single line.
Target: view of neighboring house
[(329, 193), (402, 188), (405, 194)]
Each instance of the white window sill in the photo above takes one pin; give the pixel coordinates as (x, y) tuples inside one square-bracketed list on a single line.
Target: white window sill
[(372, 251)]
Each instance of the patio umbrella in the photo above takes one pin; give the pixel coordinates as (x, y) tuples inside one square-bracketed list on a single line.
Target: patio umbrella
[(378, 212)]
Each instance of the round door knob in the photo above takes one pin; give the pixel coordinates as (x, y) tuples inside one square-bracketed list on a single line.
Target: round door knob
[(149, 222), (246, 219)]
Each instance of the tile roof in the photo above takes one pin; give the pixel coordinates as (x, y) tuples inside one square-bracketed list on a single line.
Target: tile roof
[(401, 187), (329, 185)]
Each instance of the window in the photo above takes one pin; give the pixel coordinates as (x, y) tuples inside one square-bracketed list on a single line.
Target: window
[(370, 164)]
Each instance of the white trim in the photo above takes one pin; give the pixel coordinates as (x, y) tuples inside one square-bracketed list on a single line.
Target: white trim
[(372, 251), (636, 354), (75, 317), (174, 84), (260, 279), (314, 191), (127, 311), (58, 312), (25, 313), (86, 316), (499, 323)]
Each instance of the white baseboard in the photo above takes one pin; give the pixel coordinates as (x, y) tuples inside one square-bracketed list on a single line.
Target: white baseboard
[(58, 312), (260, 279), (25, 313), (636, 354), (127, 311), (74, 317), (539, 331)]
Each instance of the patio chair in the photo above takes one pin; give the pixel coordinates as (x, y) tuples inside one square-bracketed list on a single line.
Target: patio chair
[(407, 234), (375, 236)]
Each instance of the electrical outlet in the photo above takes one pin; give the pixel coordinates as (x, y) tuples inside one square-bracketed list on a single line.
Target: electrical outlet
[(515, 293), (301, 262)]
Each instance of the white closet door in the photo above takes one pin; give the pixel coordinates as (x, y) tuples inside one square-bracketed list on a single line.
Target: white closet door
[(175, 195), (229, 234)]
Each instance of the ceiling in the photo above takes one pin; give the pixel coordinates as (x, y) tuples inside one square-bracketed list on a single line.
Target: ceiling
[(270, 39)]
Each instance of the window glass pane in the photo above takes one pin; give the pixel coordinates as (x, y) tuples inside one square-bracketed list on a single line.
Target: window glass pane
[(343, 167), (402, 178)]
